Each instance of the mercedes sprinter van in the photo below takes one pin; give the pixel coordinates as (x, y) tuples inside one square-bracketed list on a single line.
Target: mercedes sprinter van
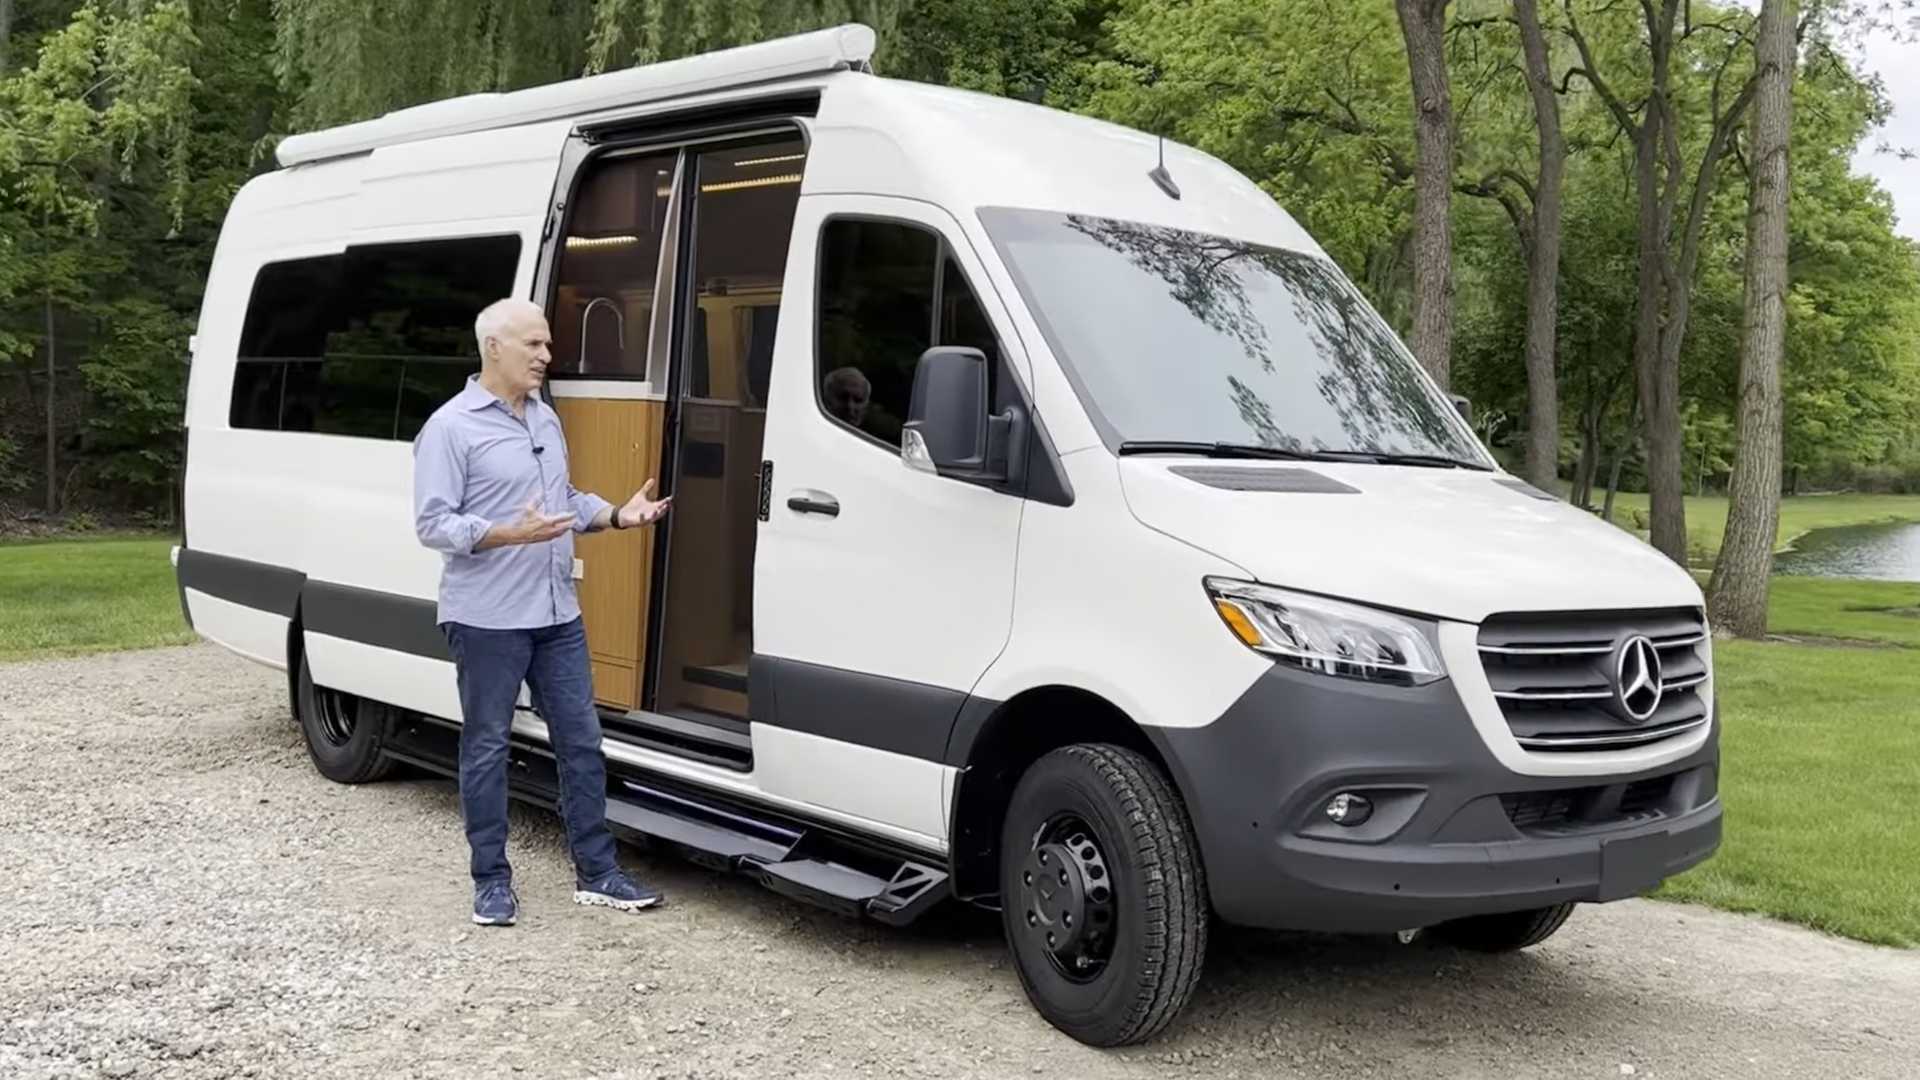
[(1056, 529)]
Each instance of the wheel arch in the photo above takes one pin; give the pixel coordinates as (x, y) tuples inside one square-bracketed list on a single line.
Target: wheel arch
[(994, 743)]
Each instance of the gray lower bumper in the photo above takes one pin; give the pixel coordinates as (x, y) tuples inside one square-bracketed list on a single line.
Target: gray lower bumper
[(1442, 843)]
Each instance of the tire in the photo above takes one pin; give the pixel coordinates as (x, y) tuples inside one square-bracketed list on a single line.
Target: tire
[(1141, 947), (1509, 931), (344, 733)]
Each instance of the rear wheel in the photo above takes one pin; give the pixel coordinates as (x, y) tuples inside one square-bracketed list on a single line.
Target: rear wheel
[(1509, 931), (1102, 894), (344, 733)]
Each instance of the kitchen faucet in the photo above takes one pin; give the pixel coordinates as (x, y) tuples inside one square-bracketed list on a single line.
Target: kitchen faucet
[(620, 324)]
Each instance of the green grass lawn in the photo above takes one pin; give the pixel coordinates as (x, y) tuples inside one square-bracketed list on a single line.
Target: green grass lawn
[(1820, 766), (65, 597), (1707, 516), (1820, 752)]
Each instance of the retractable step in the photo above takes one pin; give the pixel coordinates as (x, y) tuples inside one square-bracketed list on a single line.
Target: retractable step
[(785, 853), (787, 856)]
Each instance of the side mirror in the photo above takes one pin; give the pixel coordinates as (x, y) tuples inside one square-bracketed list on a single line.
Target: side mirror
[(948, 429), (1464, 407)]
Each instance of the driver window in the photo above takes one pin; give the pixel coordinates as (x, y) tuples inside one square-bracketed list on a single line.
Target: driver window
[(888, 292)]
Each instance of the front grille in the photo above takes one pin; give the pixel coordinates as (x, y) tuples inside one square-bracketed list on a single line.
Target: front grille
[(1553, 675), (1578, 809)]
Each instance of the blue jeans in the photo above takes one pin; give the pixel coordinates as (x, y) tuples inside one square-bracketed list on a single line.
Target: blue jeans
[(552, 661)]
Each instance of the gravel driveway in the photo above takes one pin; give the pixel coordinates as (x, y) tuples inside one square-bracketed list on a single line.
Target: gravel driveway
[(184, 897)]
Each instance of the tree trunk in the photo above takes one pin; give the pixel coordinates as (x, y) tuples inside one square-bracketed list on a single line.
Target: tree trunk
[(6, 34), (53, 451), (1543, 267), (1658, 386), (1619, 457), (1423, 25), (1737, 593)]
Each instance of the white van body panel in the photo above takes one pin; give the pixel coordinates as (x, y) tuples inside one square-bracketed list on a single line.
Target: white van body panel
[(915, 577), (340, 509), (1119, 611), (260, 636), (860, 782), (1450, 543)]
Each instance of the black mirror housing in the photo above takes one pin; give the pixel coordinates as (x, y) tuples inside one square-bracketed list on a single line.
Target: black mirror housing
[(1462, 406), (949, 429)]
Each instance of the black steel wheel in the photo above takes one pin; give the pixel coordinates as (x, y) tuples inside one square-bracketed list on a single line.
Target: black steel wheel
[(1102, 894), (344, 733)]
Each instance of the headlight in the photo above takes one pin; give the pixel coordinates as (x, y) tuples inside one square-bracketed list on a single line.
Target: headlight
[(1327, 636)]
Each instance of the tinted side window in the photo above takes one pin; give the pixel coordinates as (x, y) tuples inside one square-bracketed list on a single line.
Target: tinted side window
[(888, 292), (367, 343)]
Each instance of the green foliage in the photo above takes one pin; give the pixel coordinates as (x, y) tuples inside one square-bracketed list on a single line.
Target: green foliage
[(126, 126), (138, 380)]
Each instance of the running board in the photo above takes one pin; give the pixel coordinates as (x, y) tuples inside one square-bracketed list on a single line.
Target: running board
[(786, 854), (789, 857)]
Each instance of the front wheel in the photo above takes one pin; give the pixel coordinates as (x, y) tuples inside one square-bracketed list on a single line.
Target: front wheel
[(1102, 894), (344, 733), (1509, 931)]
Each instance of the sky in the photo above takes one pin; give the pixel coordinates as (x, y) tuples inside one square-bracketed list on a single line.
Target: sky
[(1898, 64)]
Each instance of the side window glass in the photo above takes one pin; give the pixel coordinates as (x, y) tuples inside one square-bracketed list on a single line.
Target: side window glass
[(876, 317), (368, 343), (888, 292)]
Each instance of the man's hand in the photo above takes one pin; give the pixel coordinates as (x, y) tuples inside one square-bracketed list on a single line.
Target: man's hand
[(641, 509), (533, 527)]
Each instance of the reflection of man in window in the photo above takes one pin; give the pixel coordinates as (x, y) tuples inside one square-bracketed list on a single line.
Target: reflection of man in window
[(848, 396)]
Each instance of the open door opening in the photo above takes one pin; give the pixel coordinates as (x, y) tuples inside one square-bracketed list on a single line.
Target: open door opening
[(744, 198)]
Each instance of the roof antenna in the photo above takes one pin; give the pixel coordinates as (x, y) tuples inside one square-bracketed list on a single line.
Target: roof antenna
[(1161, 176)]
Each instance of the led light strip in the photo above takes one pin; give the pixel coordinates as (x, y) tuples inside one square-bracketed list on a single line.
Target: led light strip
[(590, 243), (769, 160)]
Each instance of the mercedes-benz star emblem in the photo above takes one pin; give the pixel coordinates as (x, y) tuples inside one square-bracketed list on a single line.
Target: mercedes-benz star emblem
[(1636, 678)]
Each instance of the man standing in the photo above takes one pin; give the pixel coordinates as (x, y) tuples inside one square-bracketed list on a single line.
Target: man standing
[(490, 491)]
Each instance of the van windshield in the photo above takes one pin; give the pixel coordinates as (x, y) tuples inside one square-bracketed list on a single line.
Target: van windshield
[(1174, 338)]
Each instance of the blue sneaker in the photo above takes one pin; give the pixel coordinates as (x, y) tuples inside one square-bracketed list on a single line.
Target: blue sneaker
[(616, 890), (494, 904)]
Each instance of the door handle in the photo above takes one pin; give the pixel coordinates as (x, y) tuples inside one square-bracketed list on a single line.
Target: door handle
[(807, 501)]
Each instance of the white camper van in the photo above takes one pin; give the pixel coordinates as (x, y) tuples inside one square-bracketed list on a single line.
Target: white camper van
[(1055, 528)]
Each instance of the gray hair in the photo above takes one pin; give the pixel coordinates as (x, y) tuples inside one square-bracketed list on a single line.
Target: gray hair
[(493, 319)]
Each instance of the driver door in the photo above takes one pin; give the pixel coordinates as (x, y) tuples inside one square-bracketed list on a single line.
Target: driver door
[(881, 593)]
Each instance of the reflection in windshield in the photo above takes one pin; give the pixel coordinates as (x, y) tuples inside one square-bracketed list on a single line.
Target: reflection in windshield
[(1176, 335)]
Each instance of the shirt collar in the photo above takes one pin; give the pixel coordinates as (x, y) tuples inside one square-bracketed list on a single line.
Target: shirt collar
[(474, 397)]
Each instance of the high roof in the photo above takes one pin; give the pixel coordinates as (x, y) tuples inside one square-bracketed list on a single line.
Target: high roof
[(821, 51)]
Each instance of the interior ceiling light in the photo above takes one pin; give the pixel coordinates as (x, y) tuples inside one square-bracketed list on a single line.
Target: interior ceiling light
[(761, 181), (769, 160), (590, 243)]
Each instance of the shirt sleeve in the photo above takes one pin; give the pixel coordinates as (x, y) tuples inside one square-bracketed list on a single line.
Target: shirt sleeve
[(439, 490), (586, 506)]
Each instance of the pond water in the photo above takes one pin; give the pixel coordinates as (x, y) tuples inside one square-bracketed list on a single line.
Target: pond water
[(1887, 552)]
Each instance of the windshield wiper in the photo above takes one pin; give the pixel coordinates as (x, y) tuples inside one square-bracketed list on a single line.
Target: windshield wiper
[(1251, 450), (1211, 449), (1383, 457)]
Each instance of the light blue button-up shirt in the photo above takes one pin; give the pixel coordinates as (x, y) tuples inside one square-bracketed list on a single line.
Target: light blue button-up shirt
[(476, 465)]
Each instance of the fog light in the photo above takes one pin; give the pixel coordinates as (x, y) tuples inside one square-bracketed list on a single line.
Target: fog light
[(1349, 809)]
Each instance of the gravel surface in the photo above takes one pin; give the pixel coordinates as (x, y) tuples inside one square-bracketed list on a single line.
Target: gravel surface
[(184, 897)]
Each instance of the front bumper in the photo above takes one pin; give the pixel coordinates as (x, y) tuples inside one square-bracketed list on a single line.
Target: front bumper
[(1453, 833)]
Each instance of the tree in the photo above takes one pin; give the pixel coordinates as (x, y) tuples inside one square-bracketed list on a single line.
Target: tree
[(110, 89), (1668, 261), (1543, 257), (1737, 593), (1423, 23)]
